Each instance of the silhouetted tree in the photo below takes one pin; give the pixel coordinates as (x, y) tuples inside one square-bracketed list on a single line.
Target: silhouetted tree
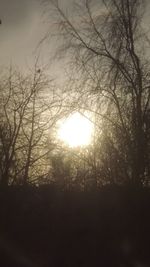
[(106, 45), (29, 110)]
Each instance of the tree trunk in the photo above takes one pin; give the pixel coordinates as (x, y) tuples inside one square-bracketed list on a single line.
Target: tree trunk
[(139, 150)]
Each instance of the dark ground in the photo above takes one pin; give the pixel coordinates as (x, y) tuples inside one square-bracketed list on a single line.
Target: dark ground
[(45, 227)]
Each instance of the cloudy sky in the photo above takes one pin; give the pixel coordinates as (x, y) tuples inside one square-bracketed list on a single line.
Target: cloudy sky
[(20, 31), (24, 24)]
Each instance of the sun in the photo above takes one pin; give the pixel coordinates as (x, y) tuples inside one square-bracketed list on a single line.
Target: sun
[(76, 130)]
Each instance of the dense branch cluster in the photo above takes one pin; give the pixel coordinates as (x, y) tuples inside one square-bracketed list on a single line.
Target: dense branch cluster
[(29, 109), (106, 49), (105, 45)]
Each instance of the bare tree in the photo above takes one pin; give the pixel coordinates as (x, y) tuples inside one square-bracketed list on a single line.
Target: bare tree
[(29, 110), (13, 107), (105, 45)]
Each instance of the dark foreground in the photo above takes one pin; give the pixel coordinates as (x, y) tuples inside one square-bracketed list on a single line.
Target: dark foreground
[(48, 228)]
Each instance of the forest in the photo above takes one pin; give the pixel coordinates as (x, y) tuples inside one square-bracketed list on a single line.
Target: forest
[(75, 150)]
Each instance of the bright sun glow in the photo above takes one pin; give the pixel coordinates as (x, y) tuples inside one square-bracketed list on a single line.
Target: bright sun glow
[(76, 130)]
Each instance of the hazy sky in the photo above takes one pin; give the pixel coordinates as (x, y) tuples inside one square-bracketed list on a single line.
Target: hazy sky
[(21, 30), (23, 26)]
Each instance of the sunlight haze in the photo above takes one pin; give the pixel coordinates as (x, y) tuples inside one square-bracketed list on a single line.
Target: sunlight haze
[(76, 131)]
